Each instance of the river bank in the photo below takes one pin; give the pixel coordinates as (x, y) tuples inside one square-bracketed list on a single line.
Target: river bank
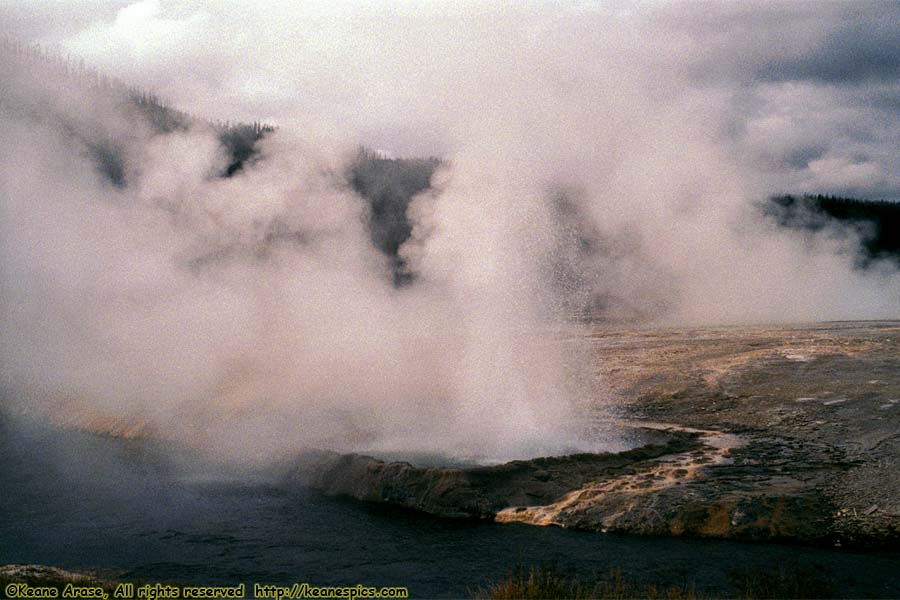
[(785, 434)]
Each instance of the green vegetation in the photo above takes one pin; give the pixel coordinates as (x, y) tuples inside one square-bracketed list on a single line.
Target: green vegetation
[(389, 185), (51, 577), (547, 582), (788, 581), (238, 139), (876, 222)]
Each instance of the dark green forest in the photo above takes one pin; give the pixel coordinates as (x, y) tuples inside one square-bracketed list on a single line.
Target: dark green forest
[(387, 184), (239, 139), (876, 222)]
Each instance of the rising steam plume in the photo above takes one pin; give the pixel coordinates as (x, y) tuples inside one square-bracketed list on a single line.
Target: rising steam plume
[(253, 296)]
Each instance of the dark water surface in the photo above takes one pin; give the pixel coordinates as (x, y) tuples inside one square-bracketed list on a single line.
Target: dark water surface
[(75, 500)]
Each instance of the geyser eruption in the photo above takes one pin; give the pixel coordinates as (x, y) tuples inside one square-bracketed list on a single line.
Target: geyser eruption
[(251, 315), (151, 281)]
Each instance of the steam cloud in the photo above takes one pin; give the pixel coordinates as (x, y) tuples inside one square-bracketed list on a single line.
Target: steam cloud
[(593, 158)]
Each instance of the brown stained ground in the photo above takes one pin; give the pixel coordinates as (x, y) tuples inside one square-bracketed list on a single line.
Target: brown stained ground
[(771, 433), (818, 407), (785, 433)]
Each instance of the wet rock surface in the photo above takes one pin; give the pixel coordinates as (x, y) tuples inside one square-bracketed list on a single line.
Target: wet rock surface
[(762, 433), (478, 492)]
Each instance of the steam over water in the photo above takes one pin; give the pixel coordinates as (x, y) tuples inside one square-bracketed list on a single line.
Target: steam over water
[(154, 519), (592, 160)]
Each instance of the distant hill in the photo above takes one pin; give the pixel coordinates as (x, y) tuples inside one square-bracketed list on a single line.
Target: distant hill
[(239, 139), (388, 184), (876, 221)]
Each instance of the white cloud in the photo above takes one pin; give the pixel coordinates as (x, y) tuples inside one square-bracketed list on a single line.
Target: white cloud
[(842, 172)]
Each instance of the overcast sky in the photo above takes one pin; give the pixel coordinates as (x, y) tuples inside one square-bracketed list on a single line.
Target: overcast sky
[(808, 93)]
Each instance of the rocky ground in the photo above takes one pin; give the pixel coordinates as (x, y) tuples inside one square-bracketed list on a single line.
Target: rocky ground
[(817, 408), (757, 433)]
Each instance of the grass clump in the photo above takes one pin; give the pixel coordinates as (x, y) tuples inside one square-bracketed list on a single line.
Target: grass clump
[(548, 582), (790, 580), (50, 577)]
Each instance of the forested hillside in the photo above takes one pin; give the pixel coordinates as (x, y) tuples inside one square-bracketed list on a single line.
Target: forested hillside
[(67, 76), (876, 222), (387, 184)]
